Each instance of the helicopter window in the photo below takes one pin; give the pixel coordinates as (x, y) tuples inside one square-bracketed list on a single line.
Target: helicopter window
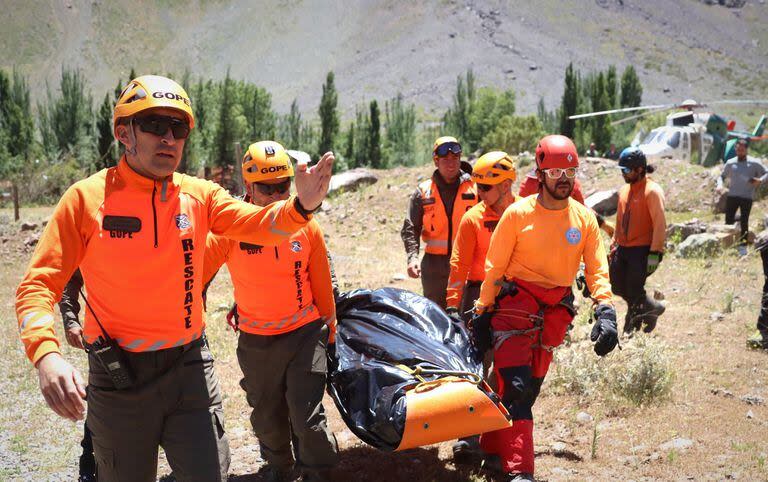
[(649, 138), (674, 141)]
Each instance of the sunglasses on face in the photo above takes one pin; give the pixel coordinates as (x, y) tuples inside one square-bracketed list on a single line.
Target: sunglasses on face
[(269, 189), (443, 149), (159, 125), (625, 170), (484, 187), (557, 172)]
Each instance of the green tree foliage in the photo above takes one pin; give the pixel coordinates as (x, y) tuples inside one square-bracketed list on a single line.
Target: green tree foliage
[(631, 89), (329, 116), (601, 127), (514, 134), (374, 137), (456, 119), (226, 128), (400, 128), (66, 121), (570, 102), (547, 118), (362, 135), (612, 87), (16, 132), (290, 127), (105, 143)]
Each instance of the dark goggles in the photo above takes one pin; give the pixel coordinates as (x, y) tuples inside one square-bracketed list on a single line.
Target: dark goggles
[(443, 149), (269, 189), (484, 187), (159, 125)]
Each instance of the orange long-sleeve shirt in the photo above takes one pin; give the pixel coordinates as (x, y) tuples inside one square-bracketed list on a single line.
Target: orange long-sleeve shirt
[(139, 245), (469, 250), (640, 219), (545, 247), (277, 289)]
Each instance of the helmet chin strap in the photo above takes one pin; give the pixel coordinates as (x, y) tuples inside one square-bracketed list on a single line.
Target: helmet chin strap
[(132, 136)]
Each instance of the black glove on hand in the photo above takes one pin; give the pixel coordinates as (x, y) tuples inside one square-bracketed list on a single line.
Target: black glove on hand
[(480, 333), (604, 332)]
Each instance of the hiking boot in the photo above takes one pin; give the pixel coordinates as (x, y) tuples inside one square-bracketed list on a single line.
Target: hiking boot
[(630, 324), (758, 341), (467, 451), (519, 477), (656, 309)]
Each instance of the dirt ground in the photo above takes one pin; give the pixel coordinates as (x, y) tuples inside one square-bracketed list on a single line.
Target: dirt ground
[(716, 403)]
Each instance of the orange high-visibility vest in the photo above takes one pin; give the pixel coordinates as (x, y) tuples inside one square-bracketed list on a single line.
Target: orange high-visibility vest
[(139, 244), (437, 231), (277, 288)]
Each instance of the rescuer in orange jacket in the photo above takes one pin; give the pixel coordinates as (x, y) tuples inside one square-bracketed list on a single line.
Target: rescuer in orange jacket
[(137, 233), (493, 174), (638, 245), (285, 312), (434, 212), (526, 302)]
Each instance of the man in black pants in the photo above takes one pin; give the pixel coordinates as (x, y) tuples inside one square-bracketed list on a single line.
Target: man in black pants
[(69, 306), (638, 242), (745, 175)]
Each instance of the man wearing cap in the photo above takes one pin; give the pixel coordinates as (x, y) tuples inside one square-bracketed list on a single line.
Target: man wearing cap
[(434, 213), (745, 174), (638, 243), (285, 315), (526, 302), (137, 232)]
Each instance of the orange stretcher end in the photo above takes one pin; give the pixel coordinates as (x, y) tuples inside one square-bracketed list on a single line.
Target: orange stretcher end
[(447, 409)]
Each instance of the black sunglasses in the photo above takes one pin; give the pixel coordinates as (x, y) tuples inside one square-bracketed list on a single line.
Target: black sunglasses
[(159, 125), (484, 187), (269, 189), (443, 149)]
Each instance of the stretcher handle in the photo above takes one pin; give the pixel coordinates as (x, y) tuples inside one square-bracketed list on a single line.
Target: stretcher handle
[(471, 377)]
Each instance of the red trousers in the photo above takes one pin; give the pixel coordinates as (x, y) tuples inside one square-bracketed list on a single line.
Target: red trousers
[(535, 320)]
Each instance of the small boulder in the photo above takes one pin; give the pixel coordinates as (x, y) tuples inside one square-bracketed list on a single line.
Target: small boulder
[(677, 443), (699, 245), (26, 226), (352, 179), (604, 202), (584, 418), (681, 231)]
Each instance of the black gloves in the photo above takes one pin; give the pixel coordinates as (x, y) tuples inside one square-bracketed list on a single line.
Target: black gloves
[(604, 332), (480, 333)]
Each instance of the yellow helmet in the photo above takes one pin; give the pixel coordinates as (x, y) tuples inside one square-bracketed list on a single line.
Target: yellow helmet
[(450, 142), (265, 161), (493, 168), (148, 92)]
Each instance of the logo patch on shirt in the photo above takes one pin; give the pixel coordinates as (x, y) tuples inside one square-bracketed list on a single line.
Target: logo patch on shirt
[(573, 236), (295, 246), (182, 221)]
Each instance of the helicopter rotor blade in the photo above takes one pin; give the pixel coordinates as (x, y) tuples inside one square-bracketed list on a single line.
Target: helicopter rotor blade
[(626, 109), (636, 116), (739, 101)]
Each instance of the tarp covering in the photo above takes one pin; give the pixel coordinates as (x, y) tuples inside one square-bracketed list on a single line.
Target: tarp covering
[(377, 331)]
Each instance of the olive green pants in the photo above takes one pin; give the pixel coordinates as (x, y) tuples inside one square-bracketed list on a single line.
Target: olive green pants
[(176, 405), (284, 381)]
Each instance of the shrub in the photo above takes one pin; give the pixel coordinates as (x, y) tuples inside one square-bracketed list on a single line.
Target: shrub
[(642, 372)]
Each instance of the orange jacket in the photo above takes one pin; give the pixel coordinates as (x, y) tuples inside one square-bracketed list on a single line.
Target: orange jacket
[(139, 245), (437, 229), (640, 217), (545, 247), (531, 185), (469, 250), (277, 289)]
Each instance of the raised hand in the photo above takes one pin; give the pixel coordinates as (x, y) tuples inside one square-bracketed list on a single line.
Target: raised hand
[(312, 182)]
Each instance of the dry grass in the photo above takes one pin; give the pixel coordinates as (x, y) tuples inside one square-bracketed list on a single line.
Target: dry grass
[(707, 355)]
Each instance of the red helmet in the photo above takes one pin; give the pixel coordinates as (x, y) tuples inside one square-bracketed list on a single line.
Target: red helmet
[(556, 151)]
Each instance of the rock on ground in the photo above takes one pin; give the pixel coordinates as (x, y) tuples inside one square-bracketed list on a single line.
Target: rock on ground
[(604, 202), (699, 245), (352, 179)]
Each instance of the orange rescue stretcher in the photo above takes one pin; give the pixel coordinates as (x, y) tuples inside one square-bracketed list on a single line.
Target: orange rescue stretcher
[(403, 374)]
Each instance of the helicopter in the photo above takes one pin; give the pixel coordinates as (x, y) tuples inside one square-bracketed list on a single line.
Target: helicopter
[(700, 137)]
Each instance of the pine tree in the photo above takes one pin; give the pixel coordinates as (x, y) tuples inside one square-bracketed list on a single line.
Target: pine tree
[(225, 135), (16, 132), (400, 126), (569, 102), (631, 89), (349, 150), (106, 138), (611, 87), (601, 128), (374, 137), (329, 117), (293, 121)]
